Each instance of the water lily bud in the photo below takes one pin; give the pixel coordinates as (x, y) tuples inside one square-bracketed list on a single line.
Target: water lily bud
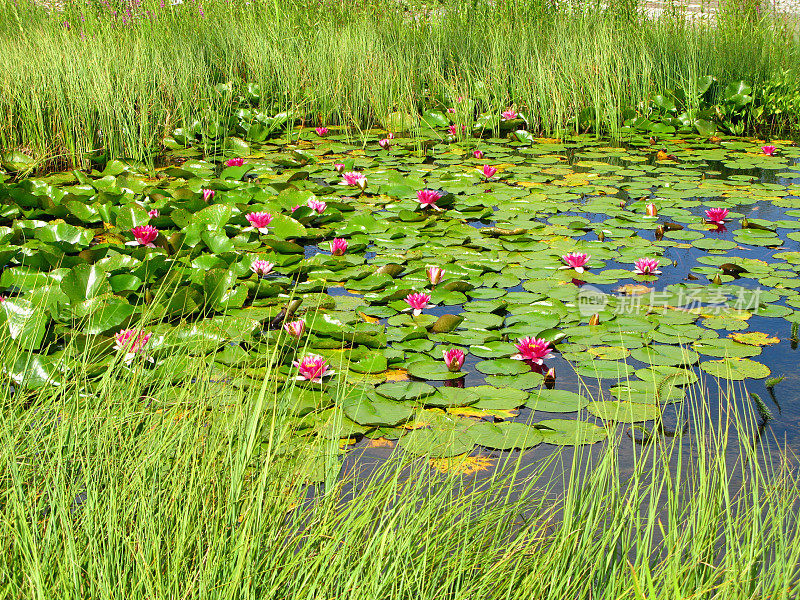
[(550, 377), (454, 359)]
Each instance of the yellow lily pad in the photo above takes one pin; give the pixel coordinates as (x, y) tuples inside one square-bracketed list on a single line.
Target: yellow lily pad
[(609, 352), (380, 442), (462, 464), (754, 338), (478, 413)]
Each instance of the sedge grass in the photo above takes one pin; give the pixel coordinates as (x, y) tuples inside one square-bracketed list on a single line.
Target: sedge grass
[(163, 484), (122, 83)]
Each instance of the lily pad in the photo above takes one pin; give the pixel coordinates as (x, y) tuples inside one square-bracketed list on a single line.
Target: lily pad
[(556, 401), (377, 411), (736, 369), (623, 412), (432, 370), (506, 435), (567, 432), (448, 436), (406, 390)]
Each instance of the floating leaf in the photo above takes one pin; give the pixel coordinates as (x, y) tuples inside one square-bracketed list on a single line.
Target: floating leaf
[(23, 322), (462, 464), (605, 369), (432, 370), (506, 435), (407, 390), (447, 397), (376, 411), (735, 368), (623, 412), (557, 401), (754, 338), (447, 437), (566, 432), (502, 366)]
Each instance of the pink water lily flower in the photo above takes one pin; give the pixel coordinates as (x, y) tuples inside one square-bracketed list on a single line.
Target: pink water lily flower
[(509, 114), (646, 266), (145, 236), (318, 206), (489, 171), (153, 213), (534, 350), (451, 110), (390, 136), (769, 150), (234, 162), (575, 260), (354, 179), (428, 198), (453, 129), (208, 195), (418, 302), (321, 131), (3, 298), (338, 246), (716, 215), (338, 167), (259, 221), (385, 143), (261, 267), (477, 154), (312, 368), (454, 359), (132, 342), (651, 210), (434, 274), (295, 328)]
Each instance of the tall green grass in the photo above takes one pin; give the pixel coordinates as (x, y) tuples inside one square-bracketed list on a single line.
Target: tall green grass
[(161, 484), (104, 84)]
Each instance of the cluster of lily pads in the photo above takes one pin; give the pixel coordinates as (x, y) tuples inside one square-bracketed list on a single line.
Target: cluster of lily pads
[(430, 291)]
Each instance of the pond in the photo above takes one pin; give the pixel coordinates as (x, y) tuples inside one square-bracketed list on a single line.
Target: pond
[(344, 272)]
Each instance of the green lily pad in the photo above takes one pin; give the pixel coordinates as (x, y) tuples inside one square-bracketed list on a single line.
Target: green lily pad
[(432, 370), (604, 369), (502, 366), (446, 437), (725, 347), (665, 355), (649, 391), (506, 435), (448, 397), (376, 411), (623, 412), (406, 390), (567, 432), (735, 369), (23, 322), (556, 401), (664, 374), (499, 398), (525, 381)]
